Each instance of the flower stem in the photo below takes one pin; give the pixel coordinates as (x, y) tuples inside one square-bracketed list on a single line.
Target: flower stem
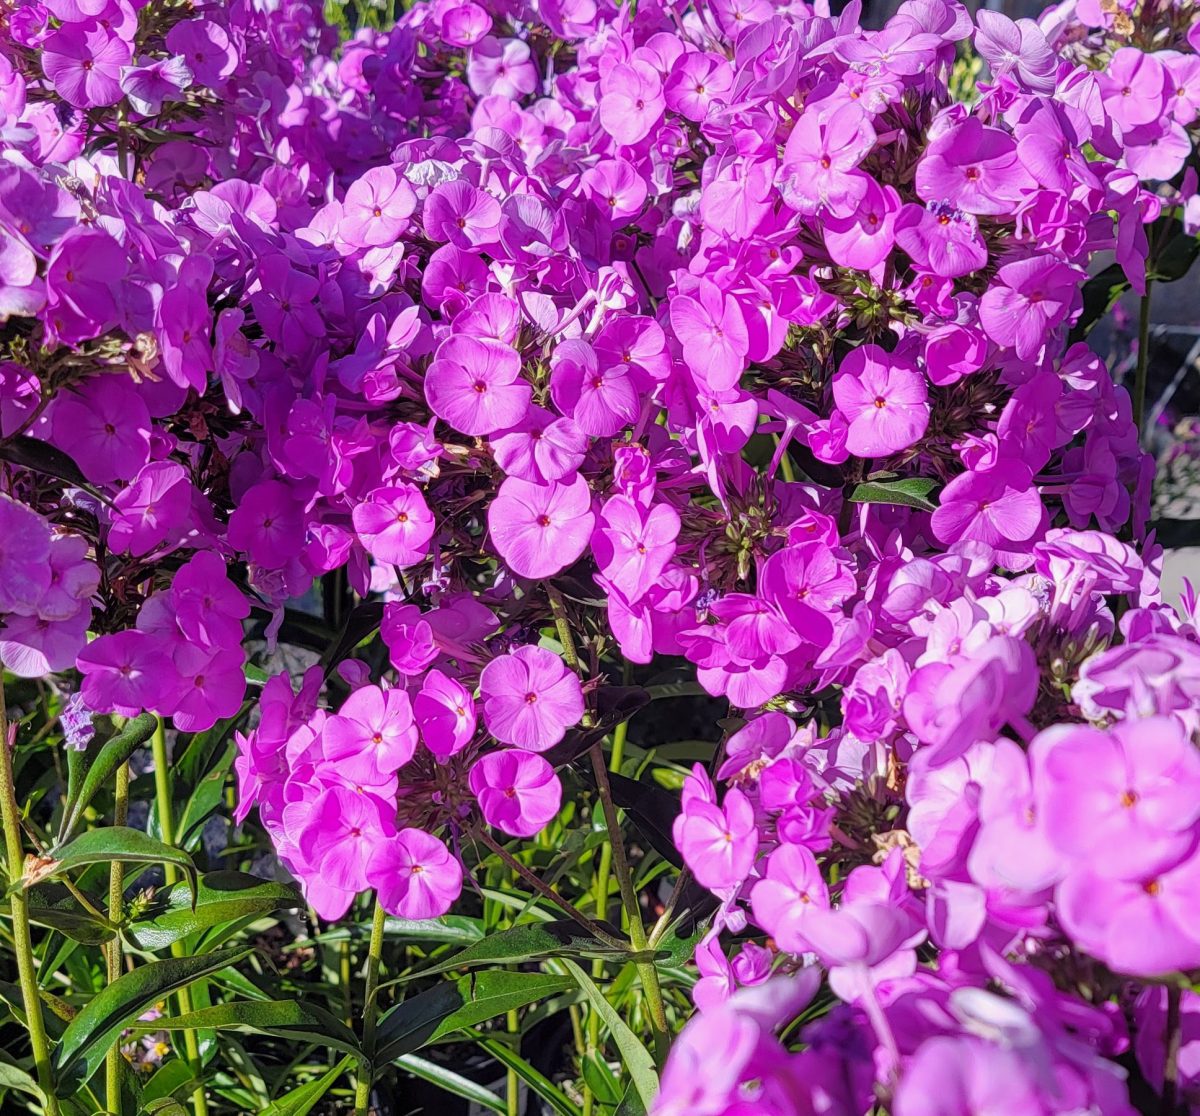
[(565, 905), (1170, 1089), (166, 825), (19, 905), (116, 899), (1143, 363), (366, 1071), (629, 900)]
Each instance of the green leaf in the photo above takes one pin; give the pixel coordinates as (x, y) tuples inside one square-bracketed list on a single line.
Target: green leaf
[(631, 1103), (89, 770), (208, 793), (908, 492), (64, 914), (164, 1106), (12, 1077), (170, 1078), (599, 1078), (528, 943), (636, 1057), (448, 928), (102, 846), (220, 897), (301, 1101), (452, 1082), (543, 1086), (42, 457), (1100, 294), (281, 1018), (1176, 259), (100, 1022), (450, 1007)]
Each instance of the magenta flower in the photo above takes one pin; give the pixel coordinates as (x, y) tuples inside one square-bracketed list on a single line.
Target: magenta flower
[(541, 448), (120, 672), (518, 792), (632, 545), (821, 158), (461, 214), (713, 335), (883, 399), (395, 525), (1134, 86), (152, 508), (601, 401), (1018, 48), (1129, 790), (788, 891), (415, 875), (83, 61), (371, 737), (863, 239), (718, 843), (941, 239), (342, 831), (973, 168), (631, 101), (696, 81), (501, 68), (268, 524), (206, 48), (106, 428), (211, 686), (24, 557), (998, 506), (376, 208), (1029, 299), (476, 386), (445, 712), (83, 278), (616, 188), (541, 529), (152, 82), (530, 698)]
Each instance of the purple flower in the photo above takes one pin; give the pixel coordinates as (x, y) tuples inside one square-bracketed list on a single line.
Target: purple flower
[(941, 239), (461, 214), (153, 507), (541, 529), (395, 525), (517, 791), (376, 208), (152, 82), (998, 506), (883, 399), (821, 158), (973, 168), (530, 698), (631, 101), (501, 68), (633, 545), (84, 63), (718, 843), (1134, 86), (445, 712), (601, 401), (371, 737), (1029, 299), (415, 875), (712, 332), (1018, 48), (475, 385)]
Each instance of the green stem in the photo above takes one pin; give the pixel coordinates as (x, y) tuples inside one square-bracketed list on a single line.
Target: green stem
[(1143, 362), (366, 1072), (512, 1083), (19, 905), (633, 911), (542, 888), (116, 902), (562, 626), (166, 825), (1170, 1090)]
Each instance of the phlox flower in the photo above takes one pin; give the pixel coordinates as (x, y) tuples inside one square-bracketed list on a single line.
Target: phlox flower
[(376, 208), (884, 401), (395, 525), (518, 792), (414, 874), (1028, 299), (475, 385), (541, 529), (84, 62), (372, 736), (530, 698), (821, 158), (632, 545), (445, 712), (712, 332), (631, 101)]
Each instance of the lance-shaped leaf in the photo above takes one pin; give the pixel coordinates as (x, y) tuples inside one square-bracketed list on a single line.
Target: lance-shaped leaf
[(100, 1022), (220, 897), (89, 770), (450, 1007), (103, 846), (282, 1018), (908, 492), (302, 1100)]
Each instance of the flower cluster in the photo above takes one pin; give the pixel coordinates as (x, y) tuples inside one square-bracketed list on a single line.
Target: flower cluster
[(582, 336)]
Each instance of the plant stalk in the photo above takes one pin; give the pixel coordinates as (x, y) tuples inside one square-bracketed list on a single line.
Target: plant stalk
[(1143, 363), (19, 905), (166, 824), (637, 932), (116, 900), (366, 1071), (1170, 1090)]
